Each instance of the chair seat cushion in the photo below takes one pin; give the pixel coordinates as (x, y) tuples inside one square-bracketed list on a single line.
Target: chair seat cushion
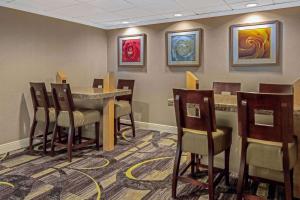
[(269, 154), (81, 118), (40, 114), (122, 108), (196, 141)]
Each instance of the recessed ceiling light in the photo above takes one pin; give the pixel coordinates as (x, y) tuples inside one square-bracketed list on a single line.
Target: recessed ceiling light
[(250, 5), (125, 22), (178, 15)]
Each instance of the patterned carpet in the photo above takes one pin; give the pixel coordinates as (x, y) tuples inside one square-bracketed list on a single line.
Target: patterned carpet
[(138, 168)]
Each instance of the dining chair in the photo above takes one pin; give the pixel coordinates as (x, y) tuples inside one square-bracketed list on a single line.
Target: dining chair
[(275, 88), (267, 146), (98, 83), (69, 117), (198, 134), (226, 88), (123, 106), (43, 113)]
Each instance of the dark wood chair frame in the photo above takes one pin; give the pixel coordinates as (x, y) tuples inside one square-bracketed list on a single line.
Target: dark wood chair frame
[(275, 88), (97, 82), (206, 122), (39, 99), (232, 88), (63, 101), (128, 84), (281, 131)]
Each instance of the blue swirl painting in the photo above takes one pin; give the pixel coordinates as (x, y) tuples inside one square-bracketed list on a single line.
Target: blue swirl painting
[(183, 47)]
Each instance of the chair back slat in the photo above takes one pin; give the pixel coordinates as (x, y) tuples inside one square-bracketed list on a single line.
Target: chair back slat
[(275, 88), (194, 107), (62, 97), (98, 83), (39, 95), (231, 88), (278, 106), (125, 84)]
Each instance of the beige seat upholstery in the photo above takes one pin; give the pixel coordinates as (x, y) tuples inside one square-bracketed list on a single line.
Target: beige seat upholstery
[(40, 114), (122, 108), (269, 154), (81, 118), (195, 141)]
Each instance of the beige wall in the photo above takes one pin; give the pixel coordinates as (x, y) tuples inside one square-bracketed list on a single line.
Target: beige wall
[(154, 83), (34, 48)]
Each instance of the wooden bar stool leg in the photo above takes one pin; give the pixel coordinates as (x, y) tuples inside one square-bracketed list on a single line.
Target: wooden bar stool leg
[(45, 137), (211, 175), (176, 171), (70, 143), (132, 124), (226, 168), (97, 134), (32, 130), (55, 132)]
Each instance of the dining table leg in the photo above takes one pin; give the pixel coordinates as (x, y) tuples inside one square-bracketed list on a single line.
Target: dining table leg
[(108, 124)]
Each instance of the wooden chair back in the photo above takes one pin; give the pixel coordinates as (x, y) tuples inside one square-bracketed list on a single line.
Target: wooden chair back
[(125, 84), (195, 109), (275, 88), (39, 95), (278, 105), (231, 88), (62, 97), (98, 83)]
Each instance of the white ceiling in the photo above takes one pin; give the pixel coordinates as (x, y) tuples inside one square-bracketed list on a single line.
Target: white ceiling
[(110, 14)]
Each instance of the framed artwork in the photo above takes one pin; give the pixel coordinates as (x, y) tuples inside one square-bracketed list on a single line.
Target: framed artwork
[(131, 50), (184, 48), (255, 44)]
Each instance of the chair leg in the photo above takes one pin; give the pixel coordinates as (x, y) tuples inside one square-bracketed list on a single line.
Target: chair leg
[(287, 185), (193, 164), (80, 134), (97, 134), (118, 125), (54, 135), (211, 176), (116, 131), (241, 180), (132, 124), (45, 137), (32, 130), (70, 143), (226, 168), (292, 181), (176, 171)]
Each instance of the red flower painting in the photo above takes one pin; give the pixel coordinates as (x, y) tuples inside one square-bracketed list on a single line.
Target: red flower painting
[(131, 50)]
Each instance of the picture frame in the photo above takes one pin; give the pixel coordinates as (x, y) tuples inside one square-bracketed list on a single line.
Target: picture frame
[(184, 47), (255, 44), (132, 50)]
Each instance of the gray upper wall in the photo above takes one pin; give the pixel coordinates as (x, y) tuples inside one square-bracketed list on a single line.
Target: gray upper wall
[(34, 48), (154, 83)]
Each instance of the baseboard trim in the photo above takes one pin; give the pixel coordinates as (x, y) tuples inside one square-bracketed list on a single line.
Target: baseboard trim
[(15, 145), (153, 126)]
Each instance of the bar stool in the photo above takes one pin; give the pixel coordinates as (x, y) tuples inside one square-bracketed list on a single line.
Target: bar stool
[(98, 83), (275, 88), (199, 135), (270, 146), (43, 113), (226, 88), (123, 106), (68, 117)]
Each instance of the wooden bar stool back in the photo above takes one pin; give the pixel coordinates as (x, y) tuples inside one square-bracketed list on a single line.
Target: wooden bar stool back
[(262, 142), (42, 113), (275, 88), (226, 88), (123, 106), (68, 117), (198, 134), (98, 83)]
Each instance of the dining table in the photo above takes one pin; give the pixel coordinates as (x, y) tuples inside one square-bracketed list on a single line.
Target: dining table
[(102, 100), (226, 115)]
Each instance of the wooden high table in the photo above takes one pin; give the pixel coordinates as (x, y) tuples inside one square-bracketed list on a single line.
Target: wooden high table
[(226, 108)]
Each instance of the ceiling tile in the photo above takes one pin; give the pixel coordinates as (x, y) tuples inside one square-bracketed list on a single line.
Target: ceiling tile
[(78, 10), (242, 5), (110, 5)]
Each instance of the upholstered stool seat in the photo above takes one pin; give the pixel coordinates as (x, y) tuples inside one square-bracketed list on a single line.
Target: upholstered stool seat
[(81, 118), (270, 154), (40, 114), (195, 141), (122, 108)]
